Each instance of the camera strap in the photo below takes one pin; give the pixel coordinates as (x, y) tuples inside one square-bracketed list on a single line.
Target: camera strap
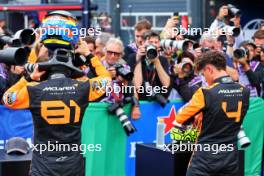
[(151, 76)]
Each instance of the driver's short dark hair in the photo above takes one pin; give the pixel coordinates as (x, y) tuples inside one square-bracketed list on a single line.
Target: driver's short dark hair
[(215, 58)]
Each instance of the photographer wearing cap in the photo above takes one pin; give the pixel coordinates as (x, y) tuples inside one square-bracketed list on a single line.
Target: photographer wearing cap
[(150, 69), (58, 103), (224, 105)]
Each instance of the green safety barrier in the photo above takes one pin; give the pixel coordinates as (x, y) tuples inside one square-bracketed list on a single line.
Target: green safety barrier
[(101, 128)]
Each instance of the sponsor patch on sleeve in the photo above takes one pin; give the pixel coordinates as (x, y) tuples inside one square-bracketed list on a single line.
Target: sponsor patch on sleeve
[(10, 98)]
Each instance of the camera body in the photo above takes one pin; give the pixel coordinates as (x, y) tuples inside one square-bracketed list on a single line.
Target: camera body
[(124, 71)]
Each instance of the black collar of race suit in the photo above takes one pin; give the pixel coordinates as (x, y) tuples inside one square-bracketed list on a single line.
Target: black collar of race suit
[(224, 80)]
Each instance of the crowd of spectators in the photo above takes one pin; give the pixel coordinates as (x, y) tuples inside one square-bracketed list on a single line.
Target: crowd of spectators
[(171, 71)]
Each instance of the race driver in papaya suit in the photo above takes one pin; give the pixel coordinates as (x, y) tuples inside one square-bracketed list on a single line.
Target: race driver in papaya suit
[(224, 104), (58, 105)]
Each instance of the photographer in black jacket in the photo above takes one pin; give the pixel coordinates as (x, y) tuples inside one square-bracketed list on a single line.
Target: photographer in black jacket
[(152, 71)]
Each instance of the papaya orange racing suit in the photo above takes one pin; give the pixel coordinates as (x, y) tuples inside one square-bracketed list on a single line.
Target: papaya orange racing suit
[(57, 106), (224, 105)]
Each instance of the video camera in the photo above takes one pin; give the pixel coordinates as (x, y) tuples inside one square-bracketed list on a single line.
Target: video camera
[(117, 109), (16, 54)]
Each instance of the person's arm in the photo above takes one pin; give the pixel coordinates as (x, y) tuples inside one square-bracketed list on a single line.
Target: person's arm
[(184, 90), (254, 78), (233, 73), (195, 105), (162, 74), (97, 67), (138, 75), (16, 97)]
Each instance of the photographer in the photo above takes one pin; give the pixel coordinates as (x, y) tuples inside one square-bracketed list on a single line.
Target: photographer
[(114, 50), (228, 22), (247, 71), (149, 67), (141, 27), (184, 78), (258, 38)]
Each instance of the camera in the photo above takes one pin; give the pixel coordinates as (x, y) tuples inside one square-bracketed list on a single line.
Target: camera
[(124, 71), (205, 49), (233, 11), (29, 67), (241, 52), (151, 52), (22, 37), (155, 97), (16, 55), (117, 109), (175, 44), (243, 140), (262, 48), (235, 31), (186, 67)]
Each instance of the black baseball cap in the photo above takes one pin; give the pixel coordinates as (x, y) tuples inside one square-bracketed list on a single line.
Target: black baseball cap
[(17, 145)]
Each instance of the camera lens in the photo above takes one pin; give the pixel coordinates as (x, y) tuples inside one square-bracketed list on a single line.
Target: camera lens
[(152, 52), (187, 68), (240, 53)]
